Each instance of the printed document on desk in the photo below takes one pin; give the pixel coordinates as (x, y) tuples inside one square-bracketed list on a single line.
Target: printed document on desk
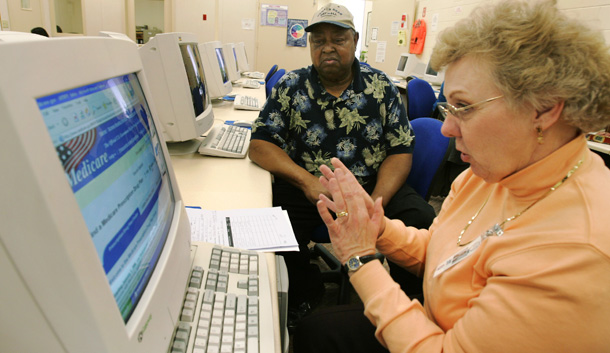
[(262, 229)]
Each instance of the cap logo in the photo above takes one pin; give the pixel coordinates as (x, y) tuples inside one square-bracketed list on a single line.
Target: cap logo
[(330, 12)]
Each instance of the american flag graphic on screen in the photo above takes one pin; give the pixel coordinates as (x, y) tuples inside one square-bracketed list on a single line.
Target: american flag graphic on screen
[(71, 153)]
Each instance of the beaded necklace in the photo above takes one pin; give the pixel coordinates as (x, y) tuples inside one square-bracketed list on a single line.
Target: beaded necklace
[(498, 228)]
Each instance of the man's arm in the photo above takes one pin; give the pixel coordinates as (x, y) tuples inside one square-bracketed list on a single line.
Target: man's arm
[(392, 174), (272, 158)]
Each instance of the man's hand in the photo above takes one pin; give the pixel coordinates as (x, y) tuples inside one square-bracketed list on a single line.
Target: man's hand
[(272, 158), (313, 188)]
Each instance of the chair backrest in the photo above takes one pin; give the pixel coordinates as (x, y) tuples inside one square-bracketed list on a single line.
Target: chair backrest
[(271, 72), (420, 99), (273, 80), (430, 149)]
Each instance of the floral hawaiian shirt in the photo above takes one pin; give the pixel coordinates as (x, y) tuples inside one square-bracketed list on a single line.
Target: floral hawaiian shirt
[(364, 125)]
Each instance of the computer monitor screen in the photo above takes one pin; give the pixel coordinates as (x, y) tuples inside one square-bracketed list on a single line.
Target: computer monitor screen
[(407, 64), (94, 228), (195, 77), (433, 77), (215, 67), (179, 85), (231, 61), (222, 64), (242, 57), (103, 134)]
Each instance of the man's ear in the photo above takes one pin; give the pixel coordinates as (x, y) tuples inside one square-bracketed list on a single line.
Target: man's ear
[(356, 37), (550, 116)]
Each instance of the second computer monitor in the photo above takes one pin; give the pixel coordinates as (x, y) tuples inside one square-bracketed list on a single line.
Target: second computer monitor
[(407, 63), (433, 77), (242, 57), (215, 67), (174, 69), (231, 58)]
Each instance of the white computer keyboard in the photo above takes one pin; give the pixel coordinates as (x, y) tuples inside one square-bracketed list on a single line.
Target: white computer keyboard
[(228, 304), (246, 102), (226, 141), (251, 83), (254, 74)]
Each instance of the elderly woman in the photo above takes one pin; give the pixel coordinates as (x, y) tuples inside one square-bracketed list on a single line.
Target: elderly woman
[(518, 259)]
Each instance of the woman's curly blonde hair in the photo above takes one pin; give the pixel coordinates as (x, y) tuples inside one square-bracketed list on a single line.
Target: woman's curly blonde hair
[(539, 57)]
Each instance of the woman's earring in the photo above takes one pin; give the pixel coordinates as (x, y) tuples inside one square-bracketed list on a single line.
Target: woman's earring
[(540, 136)]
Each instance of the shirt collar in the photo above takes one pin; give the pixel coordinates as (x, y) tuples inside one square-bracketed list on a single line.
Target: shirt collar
[(357, 84), (540, 176)]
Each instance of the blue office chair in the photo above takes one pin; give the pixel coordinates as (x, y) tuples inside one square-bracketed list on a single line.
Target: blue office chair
[(429, 153), (273, 80), (430, 149), (420, 99), (271, 72)]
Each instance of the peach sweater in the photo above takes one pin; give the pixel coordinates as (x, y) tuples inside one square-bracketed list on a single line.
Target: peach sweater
[(544, 286)]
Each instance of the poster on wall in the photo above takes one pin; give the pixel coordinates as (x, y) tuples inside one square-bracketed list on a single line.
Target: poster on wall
[(295, 33), (274, 15)]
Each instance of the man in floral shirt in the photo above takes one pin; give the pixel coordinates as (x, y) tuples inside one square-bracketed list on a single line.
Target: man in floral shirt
[(335, 108)]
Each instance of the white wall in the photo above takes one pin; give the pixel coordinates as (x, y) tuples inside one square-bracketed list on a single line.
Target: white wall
[(233, 25), (269, 47), (385, 14), (595, 13), (104, 15), (188, 17), (271, 41)]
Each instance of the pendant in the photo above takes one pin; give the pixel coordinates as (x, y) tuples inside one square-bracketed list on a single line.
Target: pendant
[(495, 230)]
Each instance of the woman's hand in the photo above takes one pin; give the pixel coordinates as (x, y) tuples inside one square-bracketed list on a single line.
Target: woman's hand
[(360, 220)]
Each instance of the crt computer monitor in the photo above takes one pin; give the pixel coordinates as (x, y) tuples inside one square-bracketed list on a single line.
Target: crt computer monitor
[(95, 241), (179, 87), (407, 64), (116, 35), (433, 77), (215, 67), (231, 58), (14, 36), (242, 57)]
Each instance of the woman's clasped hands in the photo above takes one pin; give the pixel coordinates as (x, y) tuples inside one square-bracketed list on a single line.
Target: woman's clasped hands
[(359, 220)]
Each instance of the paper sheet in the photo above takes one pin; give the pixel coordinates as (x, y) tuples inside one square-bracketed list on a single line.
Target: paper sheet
[(263, 229)]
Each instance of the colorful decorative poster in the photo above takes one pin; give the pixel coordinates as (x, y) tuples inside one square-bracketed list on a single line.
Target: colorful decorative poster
[(295, 33), (274, 15)]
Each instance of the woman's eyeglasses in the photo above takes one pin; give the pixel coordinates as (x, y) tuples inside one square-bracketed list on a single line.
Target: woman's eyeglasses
[(447, 108)]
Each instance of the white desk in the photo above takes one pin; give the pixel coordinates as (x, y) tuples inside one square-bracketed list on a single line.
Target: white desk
[(224, 183), (227, 183)]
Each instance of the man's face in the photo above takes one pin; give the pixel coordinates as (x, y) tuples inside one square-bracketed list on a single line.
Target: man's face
[(332, 51)]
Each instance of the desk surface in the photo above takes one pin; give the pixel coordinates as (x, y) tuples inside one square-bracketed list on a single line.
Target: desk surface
[(228, 183), (224, 183)]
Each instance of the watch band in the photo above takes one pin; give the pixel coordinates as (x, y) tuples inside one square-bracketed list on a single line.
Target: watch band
[(354, 263)]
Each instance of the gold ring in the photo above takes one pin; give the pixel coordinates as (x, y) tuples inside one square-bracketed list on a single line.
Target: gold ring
[(342, 214)]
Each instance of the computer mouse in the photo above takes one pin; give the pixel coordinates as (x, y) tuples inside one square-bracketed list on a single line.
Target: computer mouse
[(242, 123)]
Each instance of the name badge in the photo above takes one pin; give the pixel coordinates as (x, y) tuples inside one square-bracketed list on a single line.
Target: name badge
[(459, 256)]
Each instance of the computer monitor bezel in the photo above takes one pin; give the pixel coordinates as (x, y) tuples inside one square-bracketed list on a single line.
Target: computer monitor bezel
[(242, 57), (59, 296), (432, 76), (407, 65), (116, 35), (169, 84), (231, 61), (218, 87)]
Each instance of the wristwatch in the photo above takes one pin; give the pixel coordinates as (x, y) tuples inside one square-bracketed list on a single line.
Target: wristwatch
[(354, 263)]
